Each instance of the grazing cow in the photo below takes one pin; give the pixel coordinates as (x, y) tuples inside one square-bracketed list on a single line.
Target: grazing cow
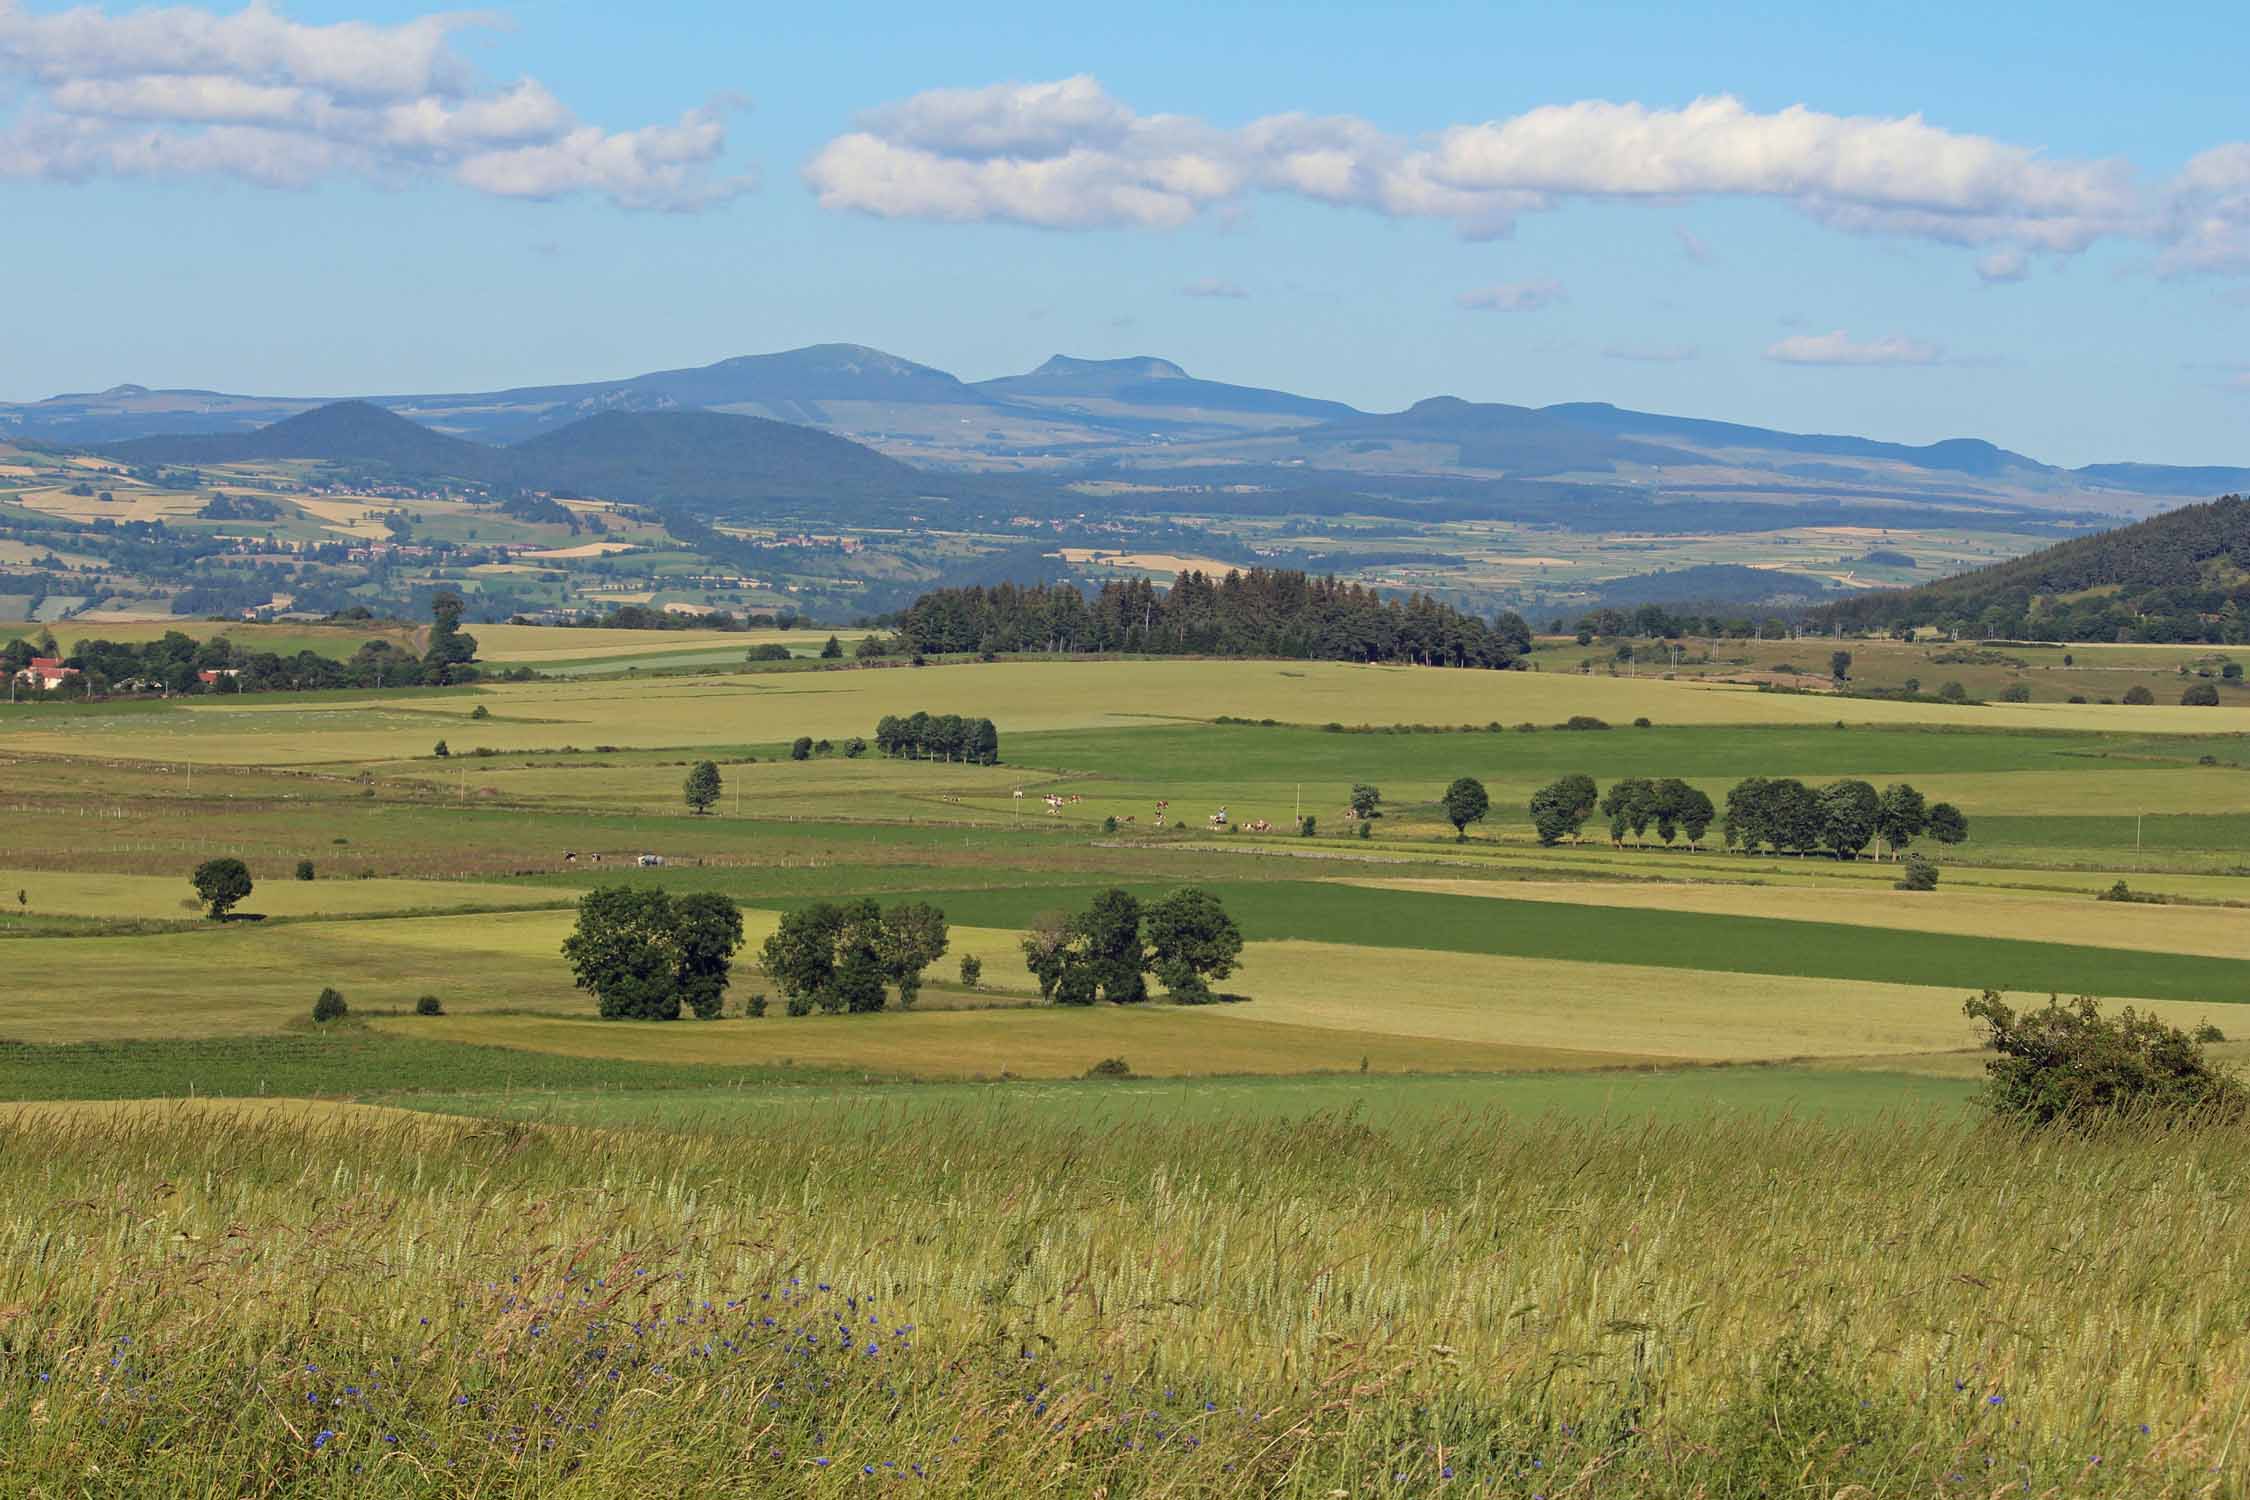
[(1261, 826), (1019, 794)]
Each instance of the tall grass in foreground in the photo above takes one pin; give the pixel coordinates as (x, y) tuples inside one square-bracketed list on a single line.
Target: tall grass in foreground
[(983, 1302)]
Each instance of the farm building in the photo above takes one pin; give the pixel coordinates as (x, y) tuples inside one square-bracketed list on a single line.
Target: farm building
[(46, 673)]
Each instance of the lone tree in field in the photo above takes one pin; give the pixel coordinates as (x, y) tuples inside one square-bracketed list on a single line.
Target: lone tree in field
[(833, 650), (1839, 666), (221, 884), (702, 789), (1191, 941), (1465, 802), (2072, 1065), (450, 652), (1367, 801), (1559, 810), (1947, 825)]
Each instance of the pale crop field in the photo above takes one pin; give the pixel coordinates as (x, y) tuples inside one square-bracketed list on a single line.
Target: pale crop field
[(141, 897), (529, 645), (761, 708)]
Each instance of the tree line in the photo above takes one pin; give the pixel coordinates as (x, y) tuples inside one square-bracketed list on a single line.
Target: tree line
[(926, 736), (175, 661), (1779, 813), (847, 957), (1258, 612)]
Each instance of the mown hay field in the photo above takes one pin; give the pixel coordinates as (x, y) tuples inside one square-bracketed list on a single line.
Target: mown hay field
[(987, 1301)]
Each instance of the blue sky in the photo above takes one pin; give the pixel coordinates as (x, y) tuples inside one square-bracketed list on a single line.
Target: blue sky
[(1375, 203)]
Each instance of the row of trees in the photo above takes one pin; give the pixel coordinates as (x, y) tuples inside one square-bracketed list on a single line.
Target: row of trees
[(645, 953), (1842, 818), (846, 958), (924, 736), (1108, 951), (1261, 612)]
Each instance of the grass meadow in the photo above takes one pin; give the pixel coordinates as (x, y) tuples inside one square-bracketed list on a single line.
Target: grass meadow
[(1508, 1170), (976, 1300)]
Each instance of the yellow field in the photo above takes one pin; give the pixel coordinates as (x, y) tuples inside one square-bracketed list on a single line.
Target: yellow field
[(2215, 932), (586, 549), (529, 645), (1041, 1043), (762, 708), (130, 504), (55, 893)]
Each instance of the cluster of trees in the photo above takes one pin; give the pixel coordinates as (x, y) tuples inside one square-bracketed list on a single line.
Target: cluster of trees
[(1108, 951), (1842, 818), (643, 617), (1261, 612), (846, 958), (925, 736), (1657, 623), (644, 953)]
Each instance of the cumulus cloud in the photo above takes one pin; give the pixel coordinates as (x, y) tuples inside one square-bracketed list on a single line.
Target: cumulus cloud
[(1068, 155), (1838, 348), (2003, 265), (1514, 296), (1214, 286), (174, 91), (1653, 354), (2209, 214)]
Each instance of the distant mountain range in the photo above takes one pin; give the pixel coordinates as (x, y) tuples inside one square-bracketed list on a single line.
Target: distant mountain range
[(1148, 421)]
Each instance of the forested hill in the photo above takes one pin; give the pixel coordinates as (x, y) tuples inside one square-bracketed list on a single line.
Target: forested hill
[(1261, 612), (2182, 576)]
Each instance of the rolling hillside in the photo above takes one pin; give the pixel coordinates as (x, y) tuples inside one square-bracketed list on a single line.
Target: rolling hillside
[(2182, 576)]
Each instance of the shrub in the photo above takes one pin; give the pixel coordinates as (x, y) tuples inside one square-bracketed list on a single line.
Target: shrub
[(1110, 1067), (756, 1008), (2016, 692), (1366, 830), (480, 712), (1921, 875), (769, 651), (440, 751), (2201, 695), (972, 970), (2139, 696), (1307, 826), (2072, 1065), (429, 1005), (1953, 692), (801, 748), (799, 1005), (1583, 721), (304, 869), (330, 1006), (2206, 1032), (1642, 723), (1109, 824)]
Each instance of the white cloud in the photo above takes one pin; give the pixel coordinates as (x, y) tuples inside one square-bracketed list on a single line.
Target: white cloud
[(1514, 296), (1838, 348), (1654, 354), (1214, 286), (1068, 155), (2209, 214), (2003, 265), (174, 91)]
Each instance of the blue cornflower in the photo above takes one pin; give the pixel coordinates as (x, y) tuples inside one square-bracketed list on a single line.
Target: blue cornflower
[(320, 1440)]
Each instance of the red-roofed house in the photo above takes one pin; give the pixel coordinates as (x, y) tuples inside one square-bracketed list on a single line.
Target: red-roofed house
[(46, 673)]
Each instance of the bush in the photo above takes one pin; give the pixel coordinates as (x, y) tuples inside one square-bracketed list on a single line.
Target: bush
[(769, 651), (801, 748), (1642, 723), (480, 712), (1953, 692), (2206, 1032), (1583, 721), (429, 1005), (1110, 1067), (440, 751), (2201, 695), (2072, 1065), (972, 970), (330, 1006), (799, 1005), (2139, 696), (1921, 875), (1308, 825), (1109, 824), (1366, 830), (304, 869), (756, 1008), (2016, 692)]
